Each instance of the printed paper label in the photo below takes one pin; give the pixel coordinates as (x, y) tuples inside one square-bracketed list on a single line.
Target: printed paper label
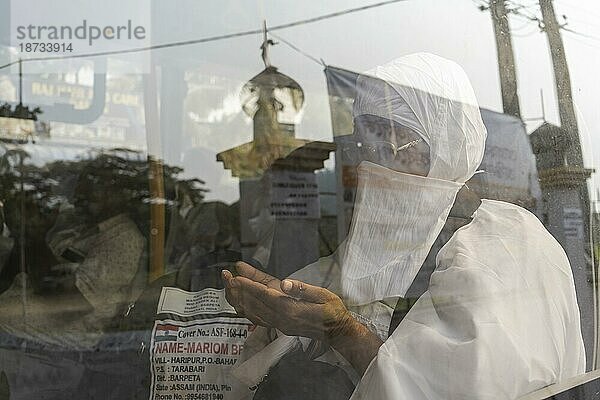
[(186, 304), (191, 360)]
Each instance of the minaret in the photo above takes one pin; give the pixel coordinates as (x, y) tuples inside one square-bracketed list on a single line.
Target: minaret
[(279, 204)]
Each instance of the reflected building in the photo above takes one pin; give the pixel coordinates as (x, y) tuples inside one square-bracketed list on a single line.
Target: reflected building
[(279, 199), (563, 185)]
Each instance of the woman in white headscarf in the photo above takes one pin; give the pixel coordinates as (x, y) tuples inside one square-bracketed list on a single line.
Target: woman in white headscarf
[(500, 317)]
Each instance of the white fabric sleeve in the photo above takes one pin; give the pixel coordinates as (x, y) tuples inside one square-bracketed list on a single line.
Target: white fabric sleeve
[(500, 318)]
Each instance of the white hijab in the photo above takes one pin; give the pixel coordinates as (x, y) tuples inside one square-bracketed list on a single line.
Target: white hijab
[(398, 216), (445, 112)]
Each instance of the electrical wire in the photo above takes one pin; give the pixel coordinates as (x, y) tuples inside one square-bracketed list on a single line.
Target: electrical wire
[(528, 23), (584, 22), (294, 47), (533, 17), (481, 4), (579, 40), (211, 38), (585, 11), (529, 15), (524, 35), (585, 35)]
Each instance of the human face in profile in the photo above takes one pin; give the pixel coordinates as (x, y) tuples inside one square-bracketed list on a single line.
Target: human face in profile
[(389, 144)]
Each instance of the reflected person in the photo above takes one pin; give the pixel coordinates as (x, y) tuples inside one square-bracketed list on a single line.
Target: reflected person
[(101, 240)]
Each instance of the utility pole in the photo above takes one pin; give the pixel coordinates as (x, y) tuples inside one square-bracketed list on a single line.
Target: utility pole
[(563, 180), (20, 81), (562, 80), (506, 59)]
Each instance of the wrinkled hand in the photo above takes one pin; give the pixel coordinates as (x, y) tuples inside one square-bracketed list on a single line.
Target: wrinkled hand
[(294, 307)]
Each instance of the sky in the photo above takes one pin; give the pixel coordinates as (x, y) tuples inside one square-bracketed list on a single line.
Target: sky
[(455, 29)]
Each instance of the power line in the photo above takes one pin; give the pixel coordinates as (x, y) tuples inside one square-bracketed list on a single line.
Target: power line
[(334, 14), (585, 35), (529, 15), (211, 38), (481, 4), (137, 49), (526, 24), (534, 18), (525, 12), (584, 22), (529, 19), (528, 34), (297, 49), (585, 11), (579, 40)]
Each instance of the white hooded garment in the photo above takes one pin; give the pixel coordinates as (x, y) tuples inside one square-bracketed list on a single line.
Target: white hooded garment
[(397, 216), (500, 318), (433, 97)]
